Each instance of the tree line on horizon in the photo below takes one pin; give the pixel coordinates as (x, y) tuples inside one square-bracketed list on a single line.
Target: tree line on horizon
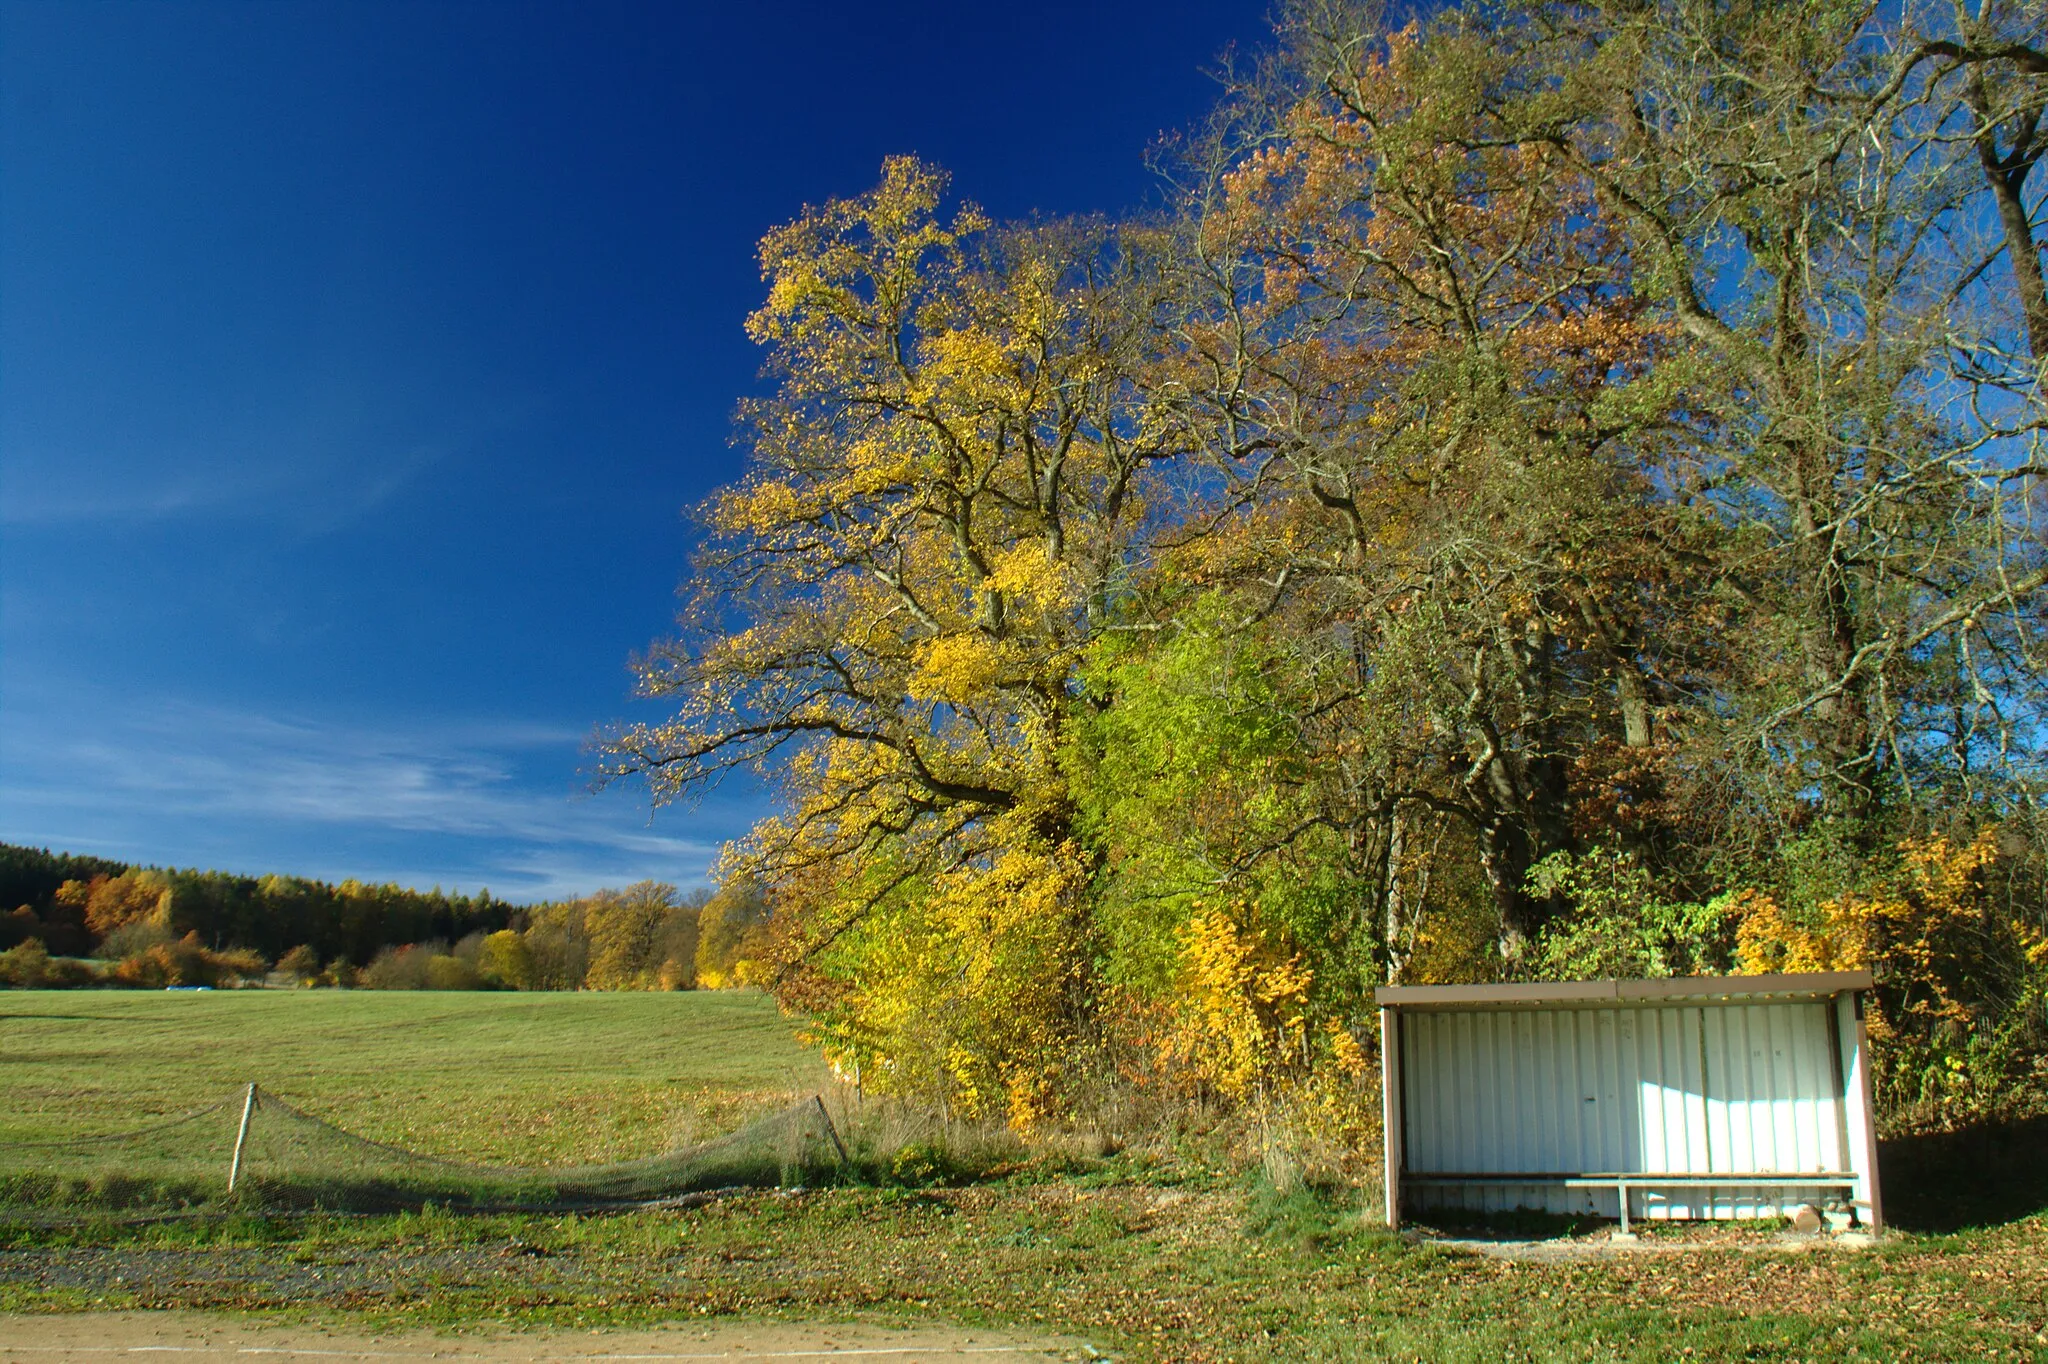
[(644, 937), (72, 903), (83, 921), (1557, 490)]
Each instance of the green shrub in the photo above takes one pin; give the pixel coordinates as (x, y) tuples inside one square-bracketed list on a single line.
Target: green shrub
[(505, 960), (69, 973), (25, 967), (1619, 925), (920, 1164), (302, 964), (452, 973)]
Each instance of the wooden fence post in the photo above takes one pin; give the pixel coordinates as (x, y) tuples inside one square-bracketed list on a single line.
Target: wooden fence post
[(241, 1136)]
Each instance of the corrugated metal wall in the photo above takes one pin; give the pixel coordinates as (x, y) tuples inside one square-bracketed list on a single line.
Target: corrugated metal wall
[(1668, 1089)]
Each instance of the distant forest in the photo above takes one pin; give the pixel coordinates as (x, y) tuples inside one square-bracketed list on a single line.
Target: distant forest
[(91, 921), (269, 914)]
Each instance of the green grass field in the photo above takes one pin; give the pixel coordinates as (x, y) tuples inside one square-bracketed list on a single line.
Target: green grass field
[(524, 1079), (1154, 1257), (1144, 1272)]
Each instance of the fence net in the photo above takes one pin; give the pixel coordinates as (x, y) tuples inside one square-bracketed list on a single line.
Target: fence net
[(256, 1153)]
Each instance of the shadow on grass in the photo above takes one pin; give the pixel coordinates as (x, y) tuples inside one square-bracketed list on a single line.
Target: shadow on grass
[(1517, 1224), (1315, 1219), (93, 1019), (1982, 1176)]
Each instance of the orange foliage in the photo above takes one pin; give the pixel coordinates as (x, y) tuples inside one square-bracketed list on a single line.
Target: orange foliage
[(111, 902), (187, 962)]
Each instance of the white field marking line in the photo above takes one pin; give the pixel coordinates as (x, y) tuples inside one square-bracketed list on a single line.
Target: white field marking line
[(869, 1351), (841, 1354), (812, 1354)]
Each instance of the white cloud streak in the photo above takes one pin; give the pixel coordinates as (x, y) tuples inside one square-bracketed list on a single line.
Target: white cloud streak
[(467, 802), (317, 494)]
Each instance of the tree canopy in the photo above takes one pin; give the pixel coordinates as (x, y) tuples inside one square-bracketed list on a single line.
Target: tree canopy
[(1557, 489)]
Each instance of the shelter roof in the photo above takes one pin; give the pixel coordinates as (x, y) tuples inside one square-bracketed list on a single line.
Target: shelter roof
[(1724, 989)]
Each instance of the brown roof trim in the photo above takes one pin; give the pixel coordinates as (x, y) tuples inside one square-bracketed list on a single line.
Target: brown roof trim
[(1623, 991)]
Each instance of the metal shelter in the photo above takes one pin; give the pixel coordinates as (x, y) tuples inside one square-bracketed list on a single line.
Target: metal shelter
[(1702, 1097)]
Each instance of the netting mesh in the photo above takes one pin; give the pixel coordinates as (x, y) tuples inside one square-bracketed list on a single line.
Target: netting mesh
[(255, 1152)]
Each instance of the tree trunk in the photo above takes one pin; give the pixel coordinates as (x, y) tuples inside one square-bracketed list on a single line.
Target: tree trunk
[(2007, 178)]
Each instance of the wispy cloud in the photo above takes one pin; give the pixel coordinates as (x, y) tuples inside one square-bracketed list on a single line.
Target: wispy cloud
[(318, 493), (316, 465), (470, 801)]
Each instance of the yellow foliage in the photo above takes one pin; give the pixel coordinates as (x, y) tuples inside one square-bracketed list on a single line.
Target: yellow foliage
[(877, 464), (1241, 1009), (1027, 572), (1327, 1125), (1345, 1051), (505, 959), (1927, 933), (975, 366), (963, 994), (759, 507), (961, 667), (1766, 942)]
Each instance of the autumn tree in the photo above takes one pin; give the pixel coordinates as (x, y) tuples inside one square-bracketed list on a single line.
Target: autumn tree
[(1595, 365), (732, 936), (557, 946), (641, 938), (1425, 352), (1554, 476), (948, 493), (113, 902), (505, 960), (1811, 230)]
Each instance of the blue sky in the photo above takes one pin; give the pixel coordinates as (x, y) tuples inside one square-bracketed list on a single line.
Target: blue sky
[(358, 360)]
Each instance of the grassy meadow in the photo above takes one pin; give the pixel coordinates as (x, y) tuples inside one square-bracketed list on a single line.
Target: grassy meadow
[(1141, 1269), (525, 1078), (1162, 1255)]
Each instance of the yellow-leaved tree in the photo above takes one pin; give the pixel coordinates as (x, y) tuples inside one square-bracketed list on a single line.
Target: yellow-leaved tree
[(949, 492), (1960, 971)]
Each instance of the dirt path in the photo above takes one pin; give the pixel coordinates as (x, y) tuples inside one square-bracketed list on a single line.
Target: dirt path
[(169, 1337)]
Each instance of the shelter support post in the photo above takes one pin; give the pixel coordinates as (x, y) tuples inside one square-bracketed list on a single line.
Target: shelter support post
[(1390, 1109), (1857, 1109)]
